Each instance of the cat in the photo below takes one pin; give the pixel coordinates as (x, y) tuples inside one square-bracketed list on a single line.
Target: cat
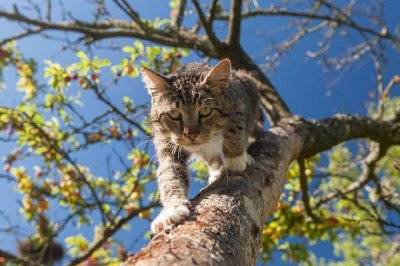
[(202, 111)]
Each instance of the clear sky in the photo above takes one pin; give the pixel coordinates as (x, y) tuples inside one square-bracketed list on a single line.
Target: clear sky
[(300, 81)]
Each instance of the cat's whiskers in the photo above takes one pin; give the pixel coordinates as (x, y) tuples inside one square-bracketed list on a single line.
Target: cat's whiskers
[(148, 164), (148, 139)]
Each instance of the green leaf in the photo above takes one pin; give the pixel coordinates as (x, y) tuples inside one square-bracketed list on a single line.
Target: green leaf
[(82, 56), (139, 46)]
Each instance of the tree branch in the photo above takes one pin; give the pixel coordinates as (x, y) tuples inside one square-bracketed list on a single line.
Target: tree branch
[(273, 104), (178, 19), (235, 19), (226, 225), (368, 166), (127, 8), (228, 215), (21, 35), (304, 192), (212, 12), (15, 259), (108, 233), (118, 28), (338, 20), (207, 27), (340, 128)]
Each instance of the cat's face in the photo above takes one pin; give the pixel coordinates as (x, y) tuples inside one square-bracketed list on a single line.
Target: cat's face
[(191, 125), (187, 106)]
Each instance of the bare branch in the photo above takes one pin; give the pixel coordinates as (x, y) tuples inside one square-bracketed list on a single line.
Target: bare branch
[(115, 109), (376, 153), (234, 23), (48, 10), (304, 192), (271, 100), (14, 258), (178, 19), (119, 28), (110, 231), (21, 35), (127, 8), (338, 20), (207, 27), (212, 12)]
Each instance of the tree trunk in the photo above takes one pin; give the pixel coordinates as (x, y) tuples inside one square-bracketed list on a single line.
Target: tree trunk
[(227, 217)]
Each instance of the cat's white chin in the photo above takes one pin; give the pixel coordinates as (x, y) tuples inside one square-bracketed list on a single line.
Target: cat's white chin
[(192, 148), (207, 149)]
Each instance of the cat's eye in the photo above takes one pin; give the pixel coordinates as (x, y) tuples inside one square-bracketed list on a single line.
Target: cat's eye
[(205, 111), (174, 114)]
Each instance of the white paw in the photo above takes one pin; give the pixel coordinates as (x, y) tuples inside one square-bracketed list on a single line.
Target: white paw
[(169, 216), (250, 160), (214, 174), (238, 164)]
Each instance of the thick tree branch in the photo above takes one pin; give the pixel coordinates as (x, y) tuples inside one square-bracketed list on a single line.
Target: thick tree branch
[(226, 225), (227, 220), (340, 128), (118, 28)]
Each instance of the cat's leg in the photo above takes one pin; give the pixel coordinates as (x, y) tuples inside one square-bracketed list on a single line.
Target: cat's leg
[(236, 157), (173, 183), (215, 167)]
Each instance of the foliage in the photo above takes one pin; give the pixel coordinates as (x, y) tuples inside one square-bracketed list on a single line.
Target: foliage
[(357, 223), (48, 129)]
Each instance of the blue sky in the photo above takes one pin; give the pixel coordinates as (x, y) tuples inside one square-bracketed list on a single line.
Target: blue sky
[(300, 81)]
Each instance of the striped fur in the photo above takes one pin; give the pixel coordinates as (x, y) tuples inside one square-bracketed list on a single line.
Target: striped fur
[(202, 111)]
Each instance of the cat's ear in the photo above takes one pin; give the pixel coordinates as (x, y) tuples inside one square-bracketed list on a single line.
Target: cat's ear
[(153, 81), (219, 75)]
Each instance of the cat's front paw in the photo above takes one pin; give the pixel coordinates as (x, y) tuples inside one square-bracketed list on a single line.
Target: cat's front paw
[(239, 164), (170, 216)]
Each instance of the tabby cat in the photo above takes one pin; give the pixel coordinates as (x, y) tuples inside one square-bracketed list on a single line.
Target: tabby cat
[(203, 112)]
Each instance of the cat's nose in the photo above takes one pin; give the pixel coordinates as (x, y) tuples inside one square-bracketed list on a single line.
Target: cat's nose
[(191, 136)]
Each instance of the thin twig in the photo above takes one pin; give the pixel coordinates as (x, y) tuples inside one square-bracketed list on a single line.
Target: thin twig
[(304, 192), (178, 19)]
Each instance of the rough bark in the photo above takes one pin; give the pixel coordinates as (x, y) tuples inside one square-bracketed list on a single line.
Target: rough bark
[(227, 216)]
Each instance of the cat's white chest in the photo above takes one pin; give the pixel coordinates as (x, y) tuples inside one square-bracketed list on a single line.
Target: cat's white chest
[(211, 148)]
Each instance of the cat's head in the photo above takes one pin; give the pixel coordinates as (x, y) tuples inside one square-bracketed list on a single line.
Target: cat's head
[(188, 105)]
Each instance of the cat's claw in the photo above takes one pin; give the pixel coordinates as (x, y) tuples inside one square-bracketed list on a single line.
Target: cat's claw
[(169, 216), (239, 164)]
